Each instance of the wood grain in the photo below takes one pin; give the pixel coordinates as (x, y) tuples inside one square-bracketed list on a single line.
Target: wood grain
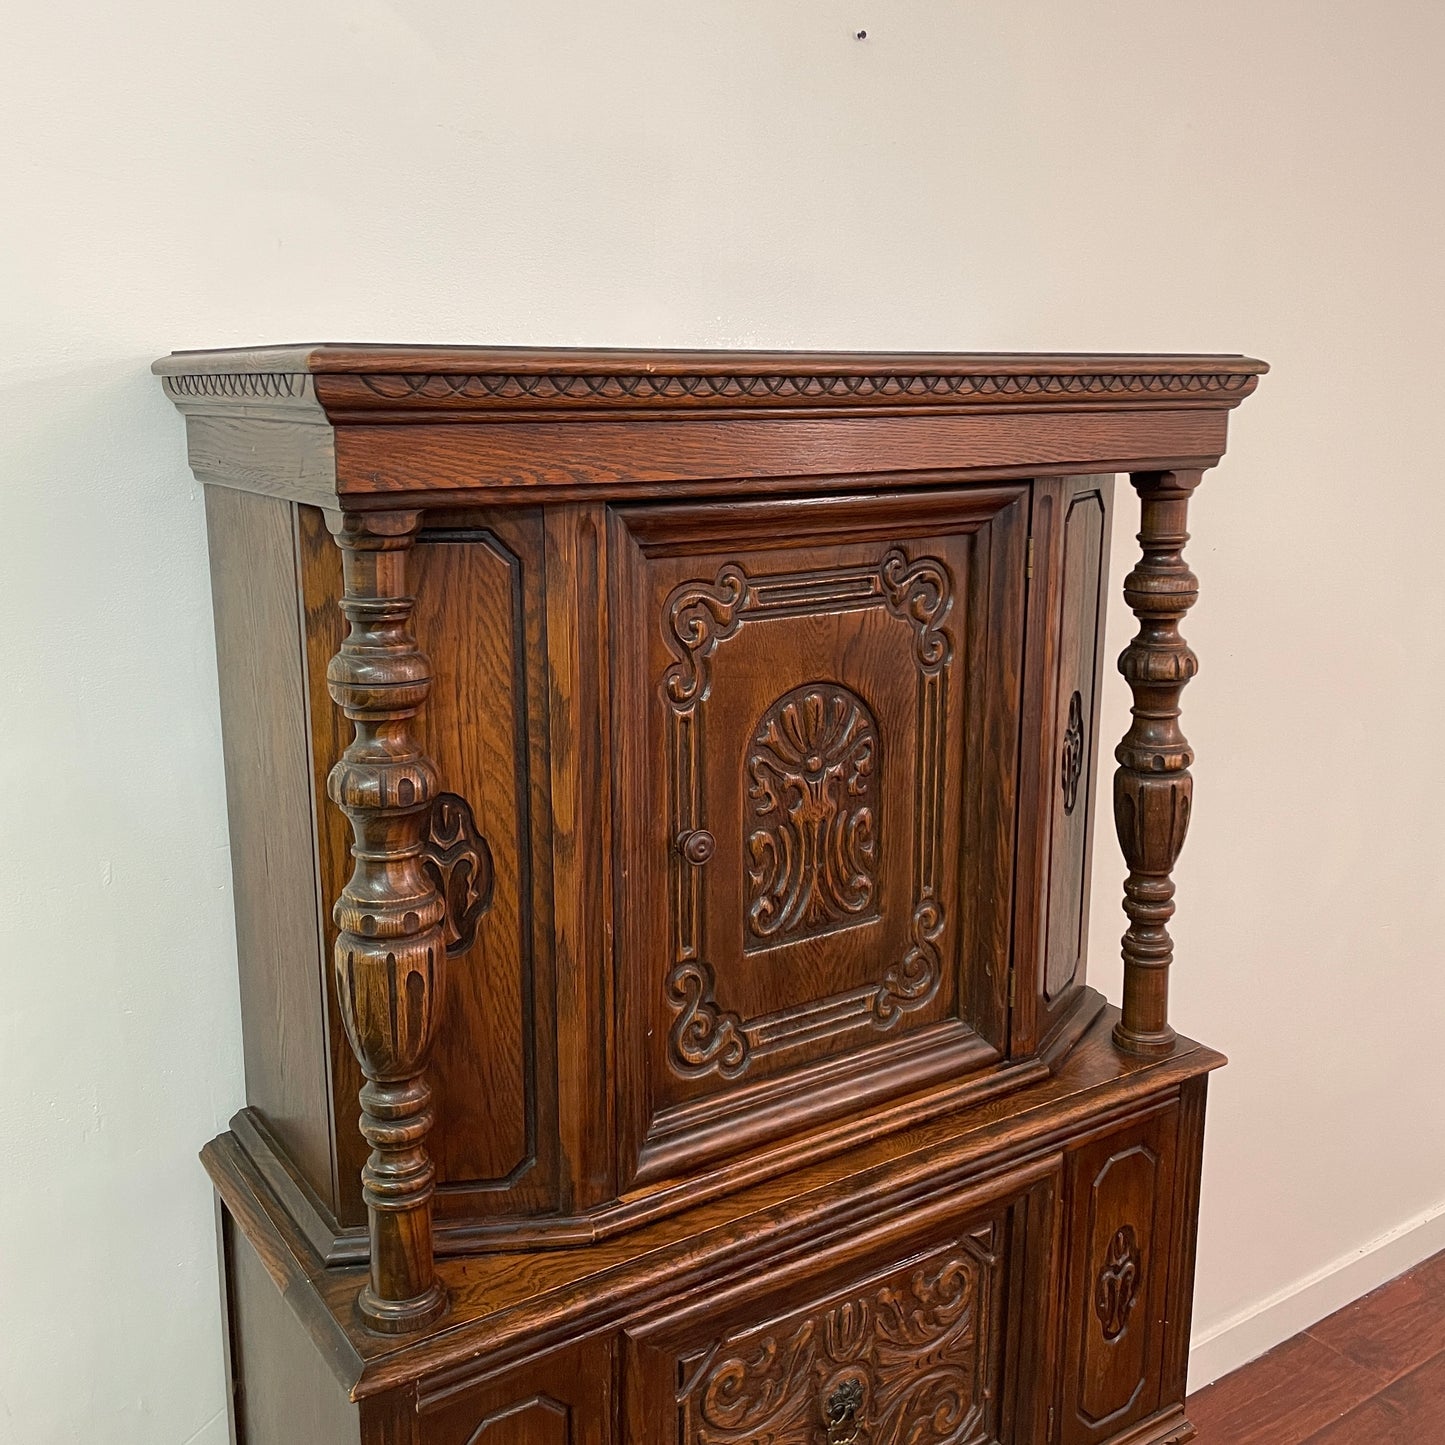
[(706, 872)]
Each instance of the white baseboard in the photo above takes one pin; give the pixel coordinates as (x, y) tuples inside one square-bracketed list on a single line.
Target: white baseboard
[(1259, 1328)]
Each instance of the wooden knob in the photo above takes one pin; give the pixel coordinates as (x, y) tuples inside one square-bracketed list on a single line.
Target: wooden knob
[(697, 846)]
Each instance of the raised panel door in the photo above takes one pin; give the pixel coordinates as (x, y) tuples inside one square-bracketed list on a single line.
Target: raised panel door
[(816, 713)]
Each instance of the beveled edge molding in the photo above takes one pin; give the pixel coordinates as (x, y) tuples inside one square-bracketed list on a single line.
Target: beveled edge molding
[(373, 382)]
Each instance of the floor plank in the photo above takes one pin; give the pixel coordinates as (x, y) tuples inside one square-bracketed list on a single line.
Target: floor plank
[(1372, 1374), (1265, 1404), (1394, 1329), (1412, 1409)]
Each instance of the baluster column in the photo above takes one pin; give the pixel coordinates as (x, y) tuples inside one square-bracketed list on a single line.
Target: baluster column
[(390, 951), (1152, 787)]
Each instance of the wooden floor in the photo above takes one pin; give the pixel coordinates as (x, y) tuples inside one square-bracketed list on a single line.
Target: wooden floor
[(1373, 1374)]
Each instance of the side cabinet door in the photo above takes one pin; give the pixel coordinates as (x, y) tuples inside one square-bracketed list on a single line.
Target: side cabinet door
[(1067, 602), (566, 1398), (815, 711), (925, 1331), (1118, 1275)]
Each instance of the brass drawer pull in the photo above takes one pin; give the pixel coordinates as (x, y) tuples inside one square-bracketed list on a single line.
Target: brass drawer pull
[(841, 1412)]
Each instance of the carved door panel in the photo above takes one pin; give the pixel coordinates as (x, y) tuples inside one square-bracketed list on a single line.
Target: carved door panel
[(923, 1331), (815, 707), (1118, 1252), (1071, 519)]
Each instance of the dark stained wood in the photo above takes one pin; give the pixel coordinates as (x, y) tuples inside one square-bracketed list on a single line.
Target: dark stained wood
[(1067, 601), (568, 1398), (705, 819), (1153, 789), (391, 950)]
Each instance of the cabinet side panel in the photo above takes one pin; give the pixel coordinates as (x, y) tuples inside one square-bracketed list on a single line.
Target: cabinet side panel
[(1067, 600), (1085, 552), (285, 1393), (269, 800)]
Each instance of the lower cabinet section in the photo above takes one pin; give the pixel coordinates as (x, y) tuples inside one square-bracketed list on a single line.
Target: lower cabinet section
[(1047, 1304), (925, 1331)]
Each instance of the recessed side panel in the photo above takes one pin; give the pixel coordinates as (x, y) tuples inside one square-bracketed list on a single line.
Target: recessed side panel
[(478, 617), (1068, 595), (814, 711), (1085, 553)]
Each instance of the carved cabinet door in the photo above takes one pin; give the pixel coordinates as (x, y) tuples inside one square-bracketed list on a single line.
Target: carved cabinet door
[(925, 1330), (815, 711), (1119, 1258)]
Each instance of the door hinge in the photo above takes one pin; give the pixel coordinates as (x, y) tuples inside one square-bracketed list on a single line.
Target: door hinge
[(1013, 988), (1029, 562), (1049, 1432)]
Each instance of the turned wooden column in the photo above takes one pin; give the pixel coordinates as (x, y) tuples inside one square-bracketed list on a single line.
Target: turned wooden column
[(391, 951), (1152, 787)]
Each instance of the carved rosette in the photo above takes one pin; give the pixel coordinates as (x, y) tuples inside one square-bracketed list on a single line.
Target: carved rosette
[(390, 949), (812, 854), (1153, 789), (1116, 1290), (906, 1359), (812, 846)]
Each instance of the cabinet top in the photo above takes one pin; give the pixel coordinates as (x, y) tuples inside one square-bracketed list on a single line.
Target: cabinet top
[(724, 418), (372, 379)]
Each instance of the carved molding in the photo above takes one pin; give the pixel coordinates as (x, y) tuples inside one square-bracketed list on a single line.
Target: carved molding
[(556, 389), (698, 616), (811, 858), (902, 1359), (458, 860), (1120, 1279), (237, 385)]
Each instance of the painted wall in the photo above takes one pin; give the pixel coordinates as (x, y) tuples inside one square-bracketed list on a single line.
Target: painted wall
[(1256, 175)]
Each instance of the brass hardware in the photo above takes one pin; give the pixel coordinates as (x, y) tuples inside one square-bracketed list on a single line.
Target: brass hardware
[(841, 1412)]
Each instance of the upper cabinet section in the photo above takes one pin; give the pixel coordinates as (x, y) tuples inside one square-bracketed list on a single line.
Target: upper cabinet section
[(386, 425)]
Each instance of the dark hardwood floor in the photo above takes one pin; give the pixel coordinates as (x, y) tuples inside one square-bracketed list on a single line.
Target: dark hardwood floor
[(1373, 1374)]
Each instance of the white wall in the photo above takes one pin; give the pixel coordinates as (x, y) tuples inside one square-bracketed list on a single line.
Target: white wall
[(1251, 175)]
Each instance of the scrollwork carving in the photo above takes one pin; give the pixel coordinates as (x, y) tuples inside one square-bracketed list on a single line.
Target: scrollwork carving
[(704, 1037), (904, 1360), (812, 855), (920, 592), (458, 860)]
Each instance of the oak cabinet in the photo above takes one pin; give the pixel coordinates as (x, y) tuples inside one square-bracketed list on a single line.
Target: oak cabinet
[(661, 791)]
